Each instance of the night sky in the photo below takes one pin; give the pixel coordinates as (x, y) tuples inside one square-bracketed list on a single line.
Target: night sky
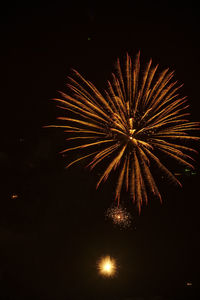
[(52, 220)]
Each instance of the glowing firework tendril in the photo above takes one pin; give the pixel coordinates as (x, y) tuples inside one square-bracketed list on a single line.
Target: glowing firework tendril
[(137, 116)]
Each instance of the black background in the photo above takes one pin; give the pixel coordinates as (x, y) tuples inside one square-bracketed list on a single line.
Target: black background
[(53, 233)]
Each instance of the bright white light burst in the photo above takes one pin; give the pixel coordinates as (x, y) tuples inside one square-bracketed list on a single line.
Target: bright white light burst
[(107, 266)]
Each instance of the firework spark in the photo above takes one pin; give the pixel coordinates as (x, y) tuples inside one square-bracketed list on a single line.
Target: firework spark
[(139, 117), (119, 216), (107, 266)]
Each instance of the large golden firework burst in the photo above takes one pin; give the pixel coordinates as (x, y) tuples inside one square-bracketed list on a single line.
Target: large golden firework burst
[(138, 116)]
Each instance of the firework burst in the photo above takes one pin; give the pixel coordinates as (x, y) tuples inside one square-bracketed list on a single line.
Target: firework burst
[(139, 116), (107, 266), (119, 216)]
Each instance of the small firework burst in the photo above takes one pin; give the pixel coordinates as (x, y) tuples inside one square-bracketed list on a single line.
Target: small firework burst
[(119, 216), (107, 266)]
